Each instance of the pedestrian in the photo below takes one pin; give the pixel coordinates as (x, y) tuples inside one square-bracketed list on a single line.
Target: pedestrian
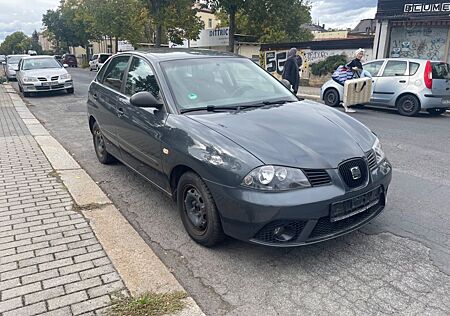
[(290, 70), (356, 64)]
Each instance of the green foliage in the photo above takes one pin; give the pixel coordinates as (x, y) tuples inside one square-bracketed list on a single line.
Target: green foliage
[(15, 43), (328, 65), (35, 43)]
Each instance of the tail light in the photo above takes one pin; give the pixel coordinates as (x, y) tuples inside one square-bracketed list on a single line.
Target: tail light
[(428, 75)]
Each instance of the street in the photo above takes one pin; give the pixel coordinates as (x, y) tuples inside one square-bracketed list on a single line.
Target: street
[(398, 264)]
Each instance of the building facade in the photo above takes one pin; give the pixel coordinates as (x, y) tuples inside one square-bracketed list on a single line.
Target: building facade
[(413, 29)]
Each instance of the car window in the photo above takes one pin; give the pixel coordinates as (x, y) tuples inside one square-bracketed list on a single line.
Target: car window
[(113, 76), (395, 68), (94, 57), (141, 78), (441, 70), (101, 72), (40, 63), (103, 58), (374, 67), (413, 67)]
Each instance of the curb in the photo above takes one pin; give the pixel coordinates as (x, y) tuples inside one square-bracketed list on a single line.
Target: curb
[(309, 96), (140, 269)]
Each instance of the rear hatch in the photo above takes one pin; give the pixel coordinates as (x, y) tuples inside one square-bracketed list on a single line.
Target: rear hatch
[(441, 79)]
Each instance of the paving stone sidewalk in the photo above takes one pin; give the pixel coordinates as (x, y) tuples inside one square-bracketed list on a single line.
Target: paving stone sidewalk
[(51, 263)]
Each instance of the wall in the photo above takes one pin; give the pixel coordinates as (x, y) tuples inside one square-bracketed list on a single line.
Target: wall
[(205, 16), (330, 35)]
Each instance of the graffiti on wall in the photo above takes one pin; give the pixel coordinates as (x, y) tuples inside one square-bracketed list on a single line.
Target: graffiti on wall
[(419, 42)]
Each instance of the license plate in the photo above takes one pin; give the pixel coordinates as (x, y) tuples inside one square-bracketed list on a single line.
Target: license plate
[(446, 101), (49, 84), (344, 209)]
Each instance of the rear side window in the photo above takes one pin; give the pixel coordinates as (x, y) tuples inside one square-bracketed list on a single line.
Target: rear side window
[(395, 68), (113, 76), (440, 70), (413, 67)]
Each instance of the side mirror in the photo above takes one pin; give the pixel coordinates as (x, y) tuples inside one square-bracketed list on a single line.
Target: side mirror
[(286, 83), (145, 99), (65, 65)]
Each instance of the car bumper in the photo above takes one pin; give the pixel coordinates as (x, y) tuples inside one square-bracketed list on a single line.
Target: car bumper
[(39, 86), (430, 101), (254, 216)]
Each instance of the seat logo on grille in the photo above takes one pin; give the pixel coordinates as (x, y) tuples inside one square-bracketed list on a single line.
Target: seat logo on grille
[(356, 173)]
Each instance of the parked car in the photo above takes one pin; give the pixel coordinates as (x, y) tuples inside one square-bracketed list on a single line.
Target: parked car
[(70, 60), (98, 60), (32, 52), (409, 85), (240, 154), (2, 59), (12, 62), (42, 73)]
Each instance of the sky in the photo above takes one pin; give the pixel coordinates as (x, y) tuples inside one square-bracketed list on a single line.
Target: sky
[(26, 15)]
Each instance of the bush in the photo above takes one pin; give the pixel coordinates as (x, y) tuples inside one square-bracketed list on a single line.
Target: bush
[(328, 65)]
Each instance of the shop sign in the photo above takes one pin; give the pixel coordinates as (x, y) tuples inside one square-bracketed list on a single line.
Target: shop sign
[(426, 8), (411, 8)]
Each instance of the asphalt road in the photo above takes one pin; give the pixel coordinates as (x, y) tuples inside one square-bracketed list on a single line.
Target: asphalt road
[(398, 264)]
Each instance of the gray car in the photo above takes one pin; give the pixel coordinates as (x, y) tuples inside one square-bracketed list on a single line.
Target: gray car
[(409, 85), (42, 73), (237, 151), (12, 64)]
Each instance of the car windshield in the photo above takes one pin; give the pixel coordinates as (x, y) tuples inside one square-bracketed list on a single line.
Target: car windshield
[(40, 63), (14, 59), (214, 81), (441, 70), (102, 58)]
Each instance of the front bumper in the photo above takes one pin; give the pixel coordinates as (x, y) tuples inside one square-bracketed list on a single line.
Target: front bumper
[(254, 216), (53, 86)]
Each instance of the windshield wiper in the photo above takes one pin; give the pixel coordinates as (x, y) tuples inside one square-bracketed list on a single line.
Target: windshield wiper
[(277, 102), (209, 108)]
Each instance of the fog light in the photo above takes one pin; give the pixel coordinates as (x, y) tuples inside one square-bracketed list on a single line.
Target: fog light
[(284, 233), (385, 168)]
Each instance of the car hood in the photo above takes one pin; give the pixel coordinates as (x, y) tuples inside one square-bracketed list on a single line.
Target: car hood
[(50, 72), (303, 134)]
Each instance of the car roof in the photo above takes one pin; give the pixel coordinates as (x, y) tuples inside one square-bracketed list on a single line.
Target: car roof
[(163, 54), (38, 57), (416, 60)]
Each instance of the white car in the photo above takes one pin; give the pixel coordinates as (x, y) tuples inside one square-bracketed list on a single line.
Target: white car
[(98, 60), (42, 73)]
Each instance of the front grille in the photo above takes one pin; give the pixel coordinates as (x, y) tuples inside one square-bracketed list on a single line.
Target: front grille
[(42, 88), (266, 233), (349, 176), (325, 227), (371, 159), (317, 177), (42, 79), (55, 78)]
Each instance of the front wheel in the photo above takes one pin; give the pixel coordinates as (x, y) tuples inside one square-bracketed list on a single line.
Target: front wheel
[(436, 112), (198, 211), (100, 146), (331, 97), (408, 105), (70, 90)]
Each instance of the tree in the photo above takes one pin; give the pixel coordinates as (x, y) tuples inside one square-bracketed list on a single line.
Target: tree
[(15, 43), (35, 43)]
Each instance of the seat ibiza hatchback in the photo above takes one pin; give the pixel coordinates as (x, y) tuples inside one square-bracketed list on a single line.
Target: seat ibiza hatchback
[(237, 151)]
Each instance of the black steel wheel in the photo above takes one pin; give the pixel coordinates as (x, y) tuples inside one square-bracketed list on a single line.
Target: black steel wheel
[(331, 97), (70, 90), (198, 211), (408, 105), (436, 112), (100, 146)]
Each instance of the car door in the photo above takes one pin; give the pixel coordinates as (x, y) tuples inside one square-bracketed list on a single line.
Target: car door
[(140, 128), (105, 92), (393, 81), (374, 68)]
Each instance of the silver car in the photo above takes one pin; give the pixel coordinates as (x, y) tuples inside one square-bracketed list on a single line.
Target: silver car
[(11, 65), (409, 85), (43, 73)]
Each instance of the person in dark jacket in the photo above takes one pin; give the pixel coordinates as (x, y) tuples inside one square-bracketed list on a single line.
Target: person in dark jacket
[(356, 64), (290, 70)]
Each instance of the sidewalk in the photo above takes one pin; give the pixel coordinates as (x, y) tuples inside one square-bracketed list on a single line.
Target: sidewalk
[(310, 93), (62, 250)]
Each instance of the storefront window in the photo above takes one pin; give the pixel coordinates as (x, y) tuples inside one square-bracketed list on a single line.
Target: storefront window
[(423, 42)]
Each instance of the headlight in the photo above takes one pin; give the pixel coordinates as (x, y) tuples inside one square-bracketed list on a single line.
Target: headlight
[(65, 76), (30, 79), (276, 178), (379, 153)]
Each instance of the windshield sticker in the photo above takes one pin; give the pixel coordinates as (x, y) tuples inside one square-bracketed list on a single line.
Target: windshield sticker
[(192, 96)]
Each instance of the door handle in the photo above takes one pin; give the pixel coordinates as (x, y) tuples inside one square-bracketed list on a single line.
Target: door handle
[(402, 81), (95, 96), (120, 112)]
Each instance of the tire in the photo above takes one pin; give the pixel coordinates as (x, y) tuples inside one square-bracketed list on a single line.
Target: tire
[(331, 97), (198, 211), (90, 69), (70, 90), (408, 105), (436, 112), (100, 147)]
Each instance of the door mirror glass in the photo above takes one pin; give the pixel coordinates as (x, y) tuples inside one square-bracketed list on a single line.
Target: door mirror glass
[(145, 99)]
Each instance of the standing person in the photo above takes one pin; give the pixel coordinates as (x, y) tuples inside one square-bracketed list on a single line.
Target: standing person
[(357, 68), (290, 70)]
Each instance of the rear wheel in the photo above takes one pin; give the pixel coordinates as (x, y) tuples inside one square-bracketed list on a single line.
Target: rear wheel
[(408, 105), (436, 112), (100, 146), (331, 97), (198, 211)]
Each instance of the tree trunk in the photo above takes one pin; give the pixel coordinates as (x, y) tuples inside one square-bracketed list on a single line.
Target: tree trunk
[(117, 45), (158, 34), (232, 13), (111, 44)]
